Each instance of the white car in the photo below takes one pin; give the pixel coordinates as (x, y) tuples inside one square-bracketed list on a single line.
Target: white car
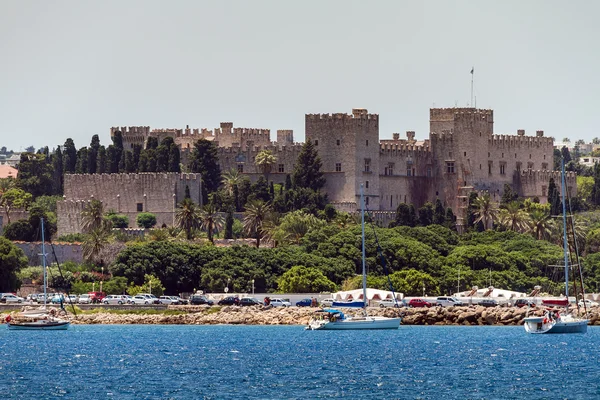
[(152, 299), (71, 299), (588, 303), (11, 298), (326, 302), (141, 299), (84, 299), (389, 303), (166, 300), (115, 299), (277, 302), (448, 301)]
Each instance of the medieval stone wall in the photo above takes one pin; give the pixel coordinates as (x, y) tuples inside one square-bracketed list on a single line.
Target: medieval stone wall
[(64, 252), (129, 194)]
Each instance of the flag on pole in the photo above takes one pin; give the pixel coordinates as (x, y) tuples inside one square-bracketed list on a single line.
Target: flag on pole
[(472, 70)]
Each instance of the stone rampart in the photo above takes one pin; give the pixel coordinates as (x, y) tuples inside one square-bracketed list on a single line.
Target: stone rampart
[(64, 252)]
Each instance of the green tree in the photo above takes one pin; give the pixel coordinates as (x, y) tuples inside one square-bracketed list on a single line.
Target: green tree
[(113, 157), (229, 225), (404, 217), (210, 220), (439, 213), (57, 172), (541, 223), (450, 221), (300, 279), (81, 167), (205, 161), (95, 242), (92, 217), (93, 154), (514, 218), (297, 224), (257, 212), (14, 199), (102, 162), (69, 156), (486, 212), (145, 220), (231, 179), (265, 159), (508, 195), (188, 217), (12, 259), (119, 221), (426, 214), (151, 285), (307, 170), (35, 174), (554, 198), (116, 285)]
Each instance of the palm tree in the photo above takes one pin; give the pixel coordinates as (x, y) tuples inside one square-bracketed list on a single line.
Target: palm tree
[(187, 217), (210, 220), (92, 217), (297, 224), (486, 211), (264, 161), (514, 218), (94, 244), (257, 212), (542, 224), (231, 179)]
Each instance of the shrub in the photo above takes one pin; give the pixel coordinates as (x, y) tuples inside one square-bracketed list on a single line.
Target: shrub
[(120, 220), (146, 220)]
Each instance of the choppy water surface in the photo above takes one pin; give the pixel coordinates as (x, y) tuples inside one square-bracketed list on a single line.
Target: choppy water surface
[(259, 362)]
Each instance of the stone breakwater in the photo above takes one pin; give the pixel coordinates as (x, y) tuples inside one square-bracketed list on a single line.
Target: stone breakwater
[(259, 315)]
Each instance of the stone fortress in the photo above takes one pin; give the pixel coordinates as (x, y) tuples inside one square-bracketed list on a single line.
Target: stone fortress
[(461, 155)]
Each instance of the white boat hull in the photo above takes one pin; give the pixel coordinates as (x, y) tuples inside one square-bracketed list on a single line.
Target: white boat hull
[(355, 323), (40, 325), (537, 325)]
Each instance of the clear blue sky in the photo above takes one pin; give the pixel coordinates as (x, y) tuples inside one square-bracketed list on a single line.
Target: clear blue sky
[(76, 68)]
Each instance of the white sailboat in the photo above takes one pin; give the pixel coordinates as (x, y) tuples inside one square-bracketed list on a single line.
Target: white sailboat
[(42, 318), (553, 321), (333, 319)]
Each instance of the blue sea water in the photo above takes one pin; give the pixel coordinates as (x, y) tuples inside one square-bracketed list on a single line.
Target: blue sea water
[(287, 362)]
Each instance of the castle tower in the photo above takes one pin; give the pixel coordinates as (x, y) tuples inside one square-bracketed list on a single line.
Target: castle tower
[(349, 148), (460, 145)]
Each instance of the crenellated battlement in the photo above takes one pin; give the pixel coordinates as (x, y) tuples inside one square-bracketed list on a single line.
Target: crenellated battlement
[(131, 131), (357, 114), (520, 140), (453, 114), (545, 175), (445, 136), (405, 149)]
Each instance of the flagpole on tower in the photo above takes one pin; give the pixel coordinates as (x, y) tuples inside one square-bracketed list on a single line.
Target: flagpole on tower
[(472, 76)]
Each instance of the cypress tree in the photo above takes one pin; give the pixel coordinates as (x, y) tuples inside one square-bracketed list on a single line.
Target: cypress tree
[(137, 150), (93, 154), (81, 167), (205, 161), (130, 167), (112, 161), (57, 172), (288, 182), (187, 192), (101, 168), (69, 156), (426, 214), (229, 225), (439, 214), (307, 171), (450, 219)]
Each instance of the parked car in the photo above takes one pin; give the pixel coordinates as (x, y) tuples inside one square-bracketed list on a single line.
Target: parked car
[(326, 302), (304, 303), (165, 300), (488, 303), (140, 299), (96, 297), (84, 299), (524, 302), (277, 302), (57, 299), (588, 303), (448, 302), (249, 301), (229, 301), (10, 298), (72, 298), (198, 299), (115, 299), (152, 299), (419, 303), (178, 300), (389, 303)]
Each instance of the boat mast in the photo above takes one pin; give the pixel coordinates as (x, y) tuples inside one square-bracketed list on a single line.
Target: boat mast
[(364, 270), (44, 259), (565, 242)]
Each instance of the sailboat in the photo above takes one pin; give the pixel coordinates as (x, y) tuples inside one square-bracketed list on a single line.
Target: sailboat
[(333, 319), (553, 321), (42, 318)]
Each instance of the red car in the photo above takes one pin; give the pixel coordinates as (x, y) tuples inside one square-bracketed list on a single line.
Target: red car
[(419, 303), (96, 297)]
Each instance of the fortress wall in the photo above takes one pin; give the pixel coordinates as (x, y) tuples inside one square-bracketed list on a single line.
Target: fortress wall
[(157, 193), (519, 152), (534, 183), (231, 157), (416, 190), (64, 252)]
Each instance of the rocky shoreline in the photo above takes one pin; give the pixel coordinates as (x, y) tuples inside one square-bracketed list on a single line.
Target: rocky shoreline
[(259, 315)]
